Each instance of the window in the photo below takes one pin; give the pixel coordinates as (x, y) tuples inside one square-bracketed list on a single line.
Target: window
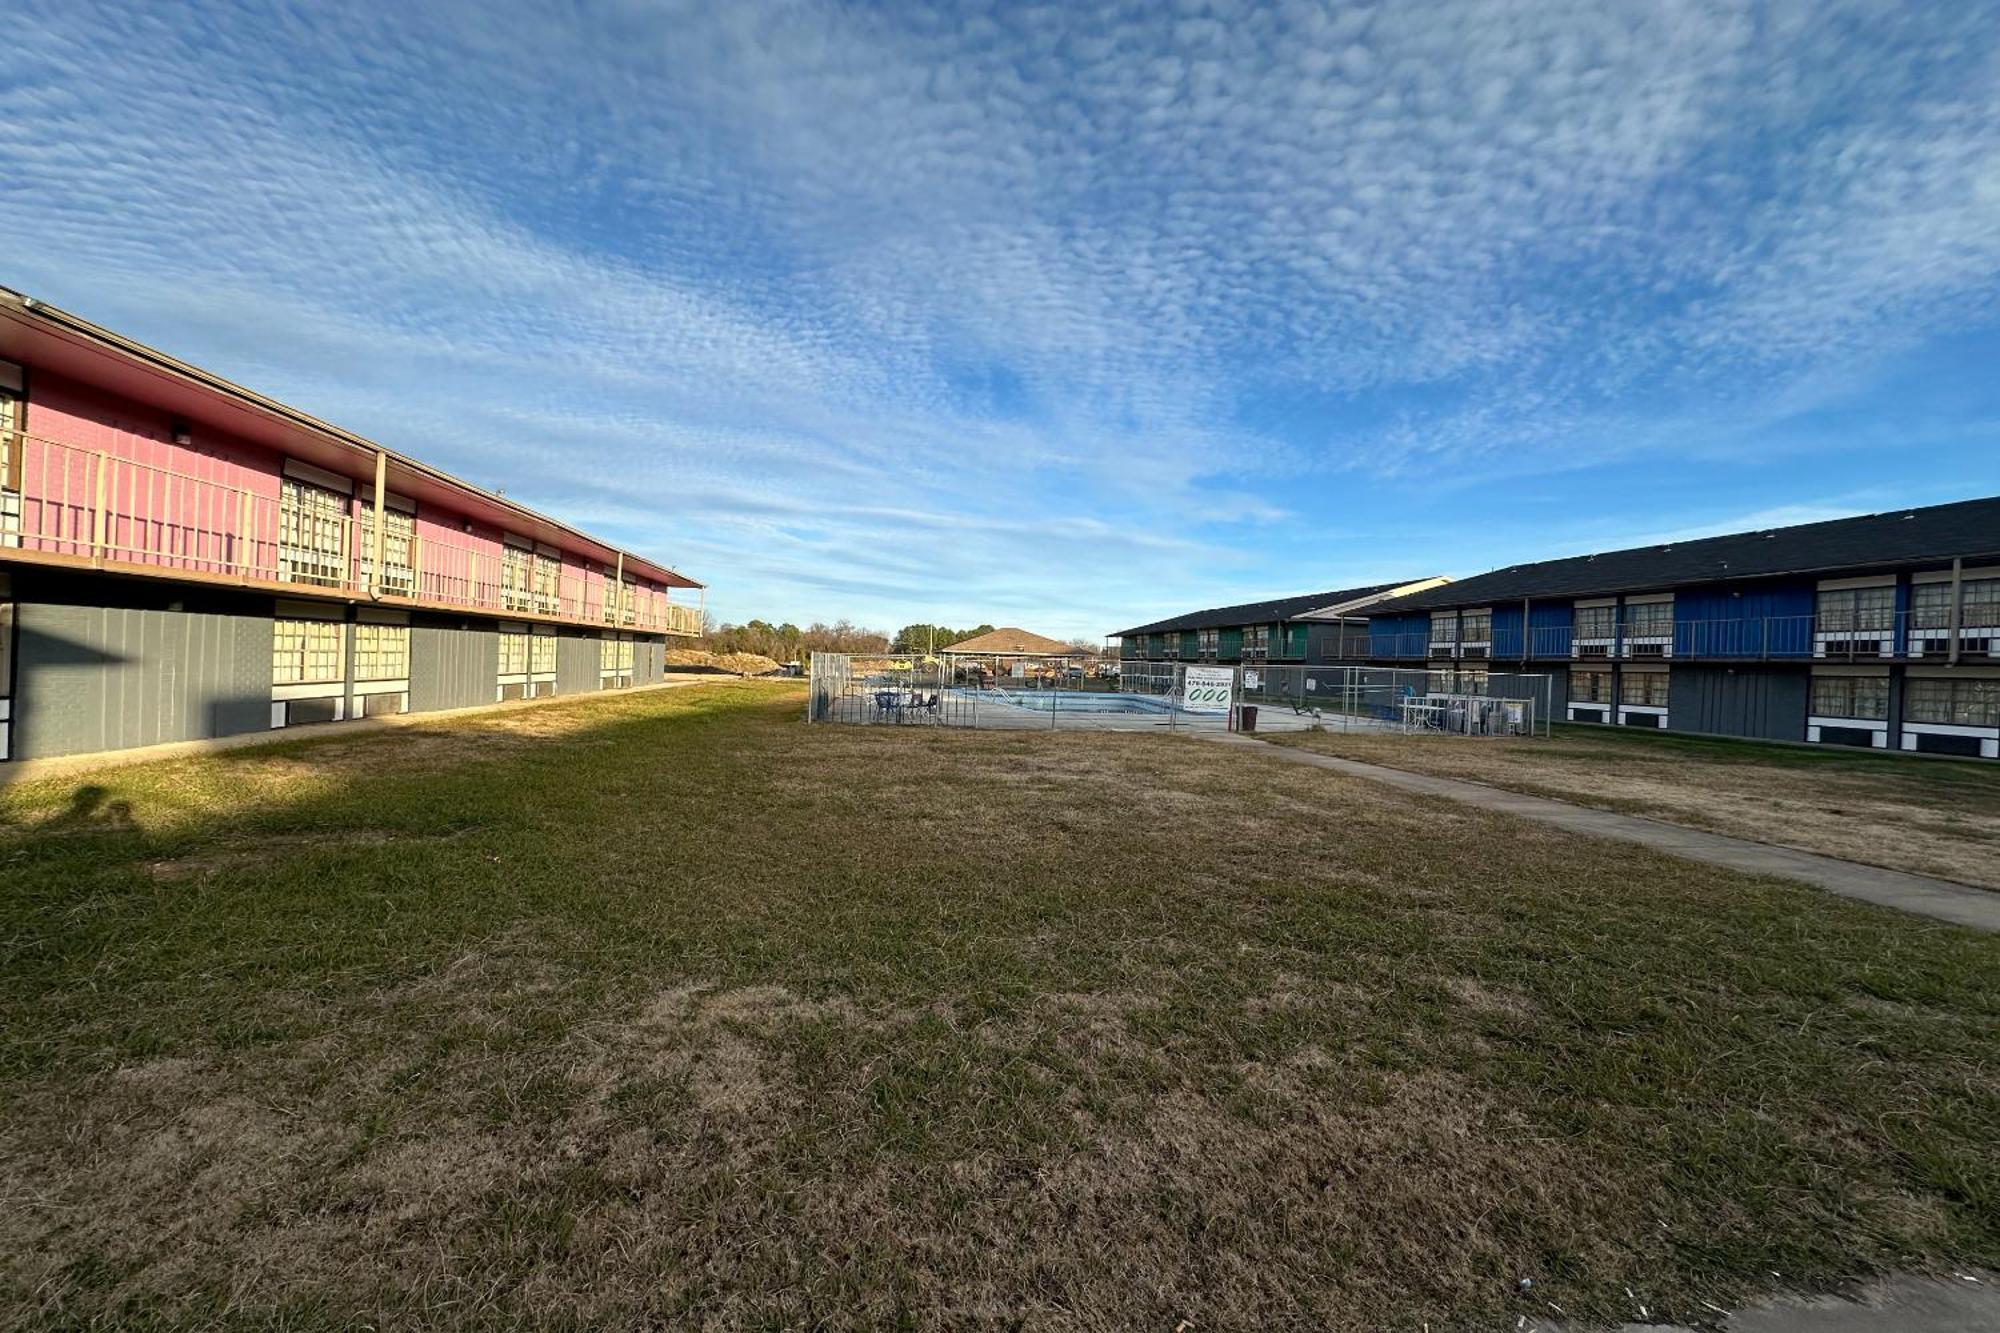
[(1649, 620), (306, 652), (517, 577), (1958, 703), (1256, 640), (1842, 610), (615, 656), (381, 652), (1647, 689), (1207, 643), (10, 443), (1469, 682), (1444, 627), (399, 545), (312, 534), (1850, 696), (513, 651), (1980, 599), (547, 583), (542, 654), (1589, 687), (1478, 627), (1595, 622)]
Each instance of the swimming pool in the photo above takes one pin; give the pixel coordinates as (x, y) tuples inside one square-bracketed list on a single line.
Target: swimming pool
[(1077, 701)]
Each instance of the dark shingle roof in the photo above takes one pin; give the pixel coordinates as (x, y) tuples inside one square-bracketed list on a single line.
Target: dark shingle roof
[(1968, 528), (1259, 613)]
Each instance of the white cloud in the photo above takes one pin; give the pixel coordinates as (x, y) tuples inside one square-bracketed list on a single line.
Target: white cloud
[(963, 298)]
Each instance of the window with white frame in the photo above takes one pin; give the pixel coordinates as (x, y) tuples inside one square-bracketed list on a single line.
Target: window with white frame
[(1587, 686), (1645, 689), (1477, 627), (399, 546), (381, 652), (517, 576), (312, 533), (542, 654), (1444, 628), (1865, 697), (1965, 702), (1596, 622), (514, 650), (10, 425), (1845, 610), (1208, 642), (615, 656), (547, 582), (1256, 640), (1649, 620), (306, 652)]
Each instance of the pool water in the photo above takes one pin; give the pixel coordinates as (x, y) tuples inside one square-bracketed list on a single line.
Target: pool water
[(1079, 701)]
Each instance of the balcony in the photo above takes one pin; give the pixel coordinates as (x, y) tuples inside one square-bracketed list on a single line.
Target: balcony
[(81, 507), (1902, 637)]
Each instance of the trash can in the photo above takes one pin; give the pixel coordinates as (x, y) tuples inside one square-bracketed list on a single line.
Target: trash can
[(1246, 717)]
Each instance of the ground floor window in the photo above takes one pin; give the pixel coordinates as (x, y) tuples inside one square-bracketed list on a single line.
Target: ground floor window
[(381, 652), (1851, 696), (542, 653), (1646, 689), (514, 651), (1957, 703), (1589, 687), (306, 651)]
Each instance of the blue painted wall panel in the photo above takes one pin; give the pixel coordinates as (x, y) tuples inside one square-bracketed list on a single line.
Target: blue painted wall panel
[(1769, 620)]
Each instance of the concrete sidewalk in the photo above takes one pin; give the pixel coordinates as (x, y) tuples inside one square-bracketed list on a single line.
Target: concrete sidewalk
[(1938, 899), (1967, 1303)]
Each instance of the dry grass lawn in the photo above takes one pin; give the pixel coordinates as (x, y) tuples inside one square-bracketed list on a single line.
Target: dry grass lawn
[(666, 1010), (1935, 817)]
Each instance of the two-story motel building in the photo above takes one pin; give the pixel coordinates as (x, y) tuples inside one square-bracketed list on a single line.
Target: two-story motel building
[(1311, 629), (1881, 631), (182, 558)]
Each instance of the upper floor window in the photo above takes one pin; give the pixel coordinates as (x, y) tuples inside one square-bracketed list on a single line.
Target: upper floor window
[(516, 577), (1850, 696), (1979, 604), (11, 383), (312, 533), (399, 548), (1963, 702), (547, 582), (1477, 627), (1596, 622), (1444, 627), (1649, 620), (1208, 642), (1846, 609)]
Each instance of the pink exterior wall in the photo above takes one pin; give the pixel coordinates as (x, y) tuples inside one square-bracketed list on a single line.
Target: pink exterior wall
[(185, 506)]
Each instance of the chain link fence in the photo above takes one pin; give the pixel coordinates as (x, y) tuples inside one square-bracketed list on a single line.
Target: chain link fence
[(1178, 696)]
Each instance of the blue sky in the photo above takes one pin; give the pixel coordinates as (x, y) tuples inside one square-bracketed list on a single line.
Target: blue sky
[(1067, 316)]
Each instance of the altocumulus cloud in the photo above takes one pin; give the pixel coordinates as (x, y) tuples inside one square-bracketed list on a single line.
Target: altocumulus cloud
[(1068, 314)]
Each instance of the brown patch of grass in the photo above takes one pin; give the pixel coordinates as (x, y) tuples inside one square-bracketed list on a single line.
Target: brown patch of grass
[(694, 1016), (1928, 816)]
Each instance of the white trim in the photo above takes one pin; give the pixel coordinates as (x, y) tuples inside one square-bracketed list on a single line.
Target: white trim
[(319, 476), (312, 689), (362, 687), (1582, 602), (1647, 598), (1944, 575), (402, 504), (1878, 729), (1988, 737), (1864, 581)]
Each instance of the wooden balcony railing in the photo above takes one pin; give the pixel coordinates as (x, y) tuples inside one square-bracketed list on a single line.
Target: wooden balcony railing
[(89, 505)]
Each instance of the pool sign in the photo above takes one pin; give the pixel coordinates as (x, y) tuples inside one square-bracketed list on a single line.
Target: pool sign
[(1208, 689)]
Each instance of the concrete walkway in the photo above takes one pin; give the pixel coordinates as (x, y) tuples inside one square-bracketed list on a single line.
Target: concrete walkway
[(1935, 898), (1967, 1303)]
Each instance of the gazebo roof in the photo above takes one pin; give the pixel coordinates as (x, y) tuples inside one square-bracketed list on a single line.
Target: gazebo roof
[(1008, 641)]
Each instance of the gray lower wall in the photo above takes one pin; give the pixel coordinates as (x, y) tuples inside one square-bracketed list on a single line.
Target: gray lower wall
[(577, 660), (1741, 701), (90, 678), (452, 667), (649, 662)]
